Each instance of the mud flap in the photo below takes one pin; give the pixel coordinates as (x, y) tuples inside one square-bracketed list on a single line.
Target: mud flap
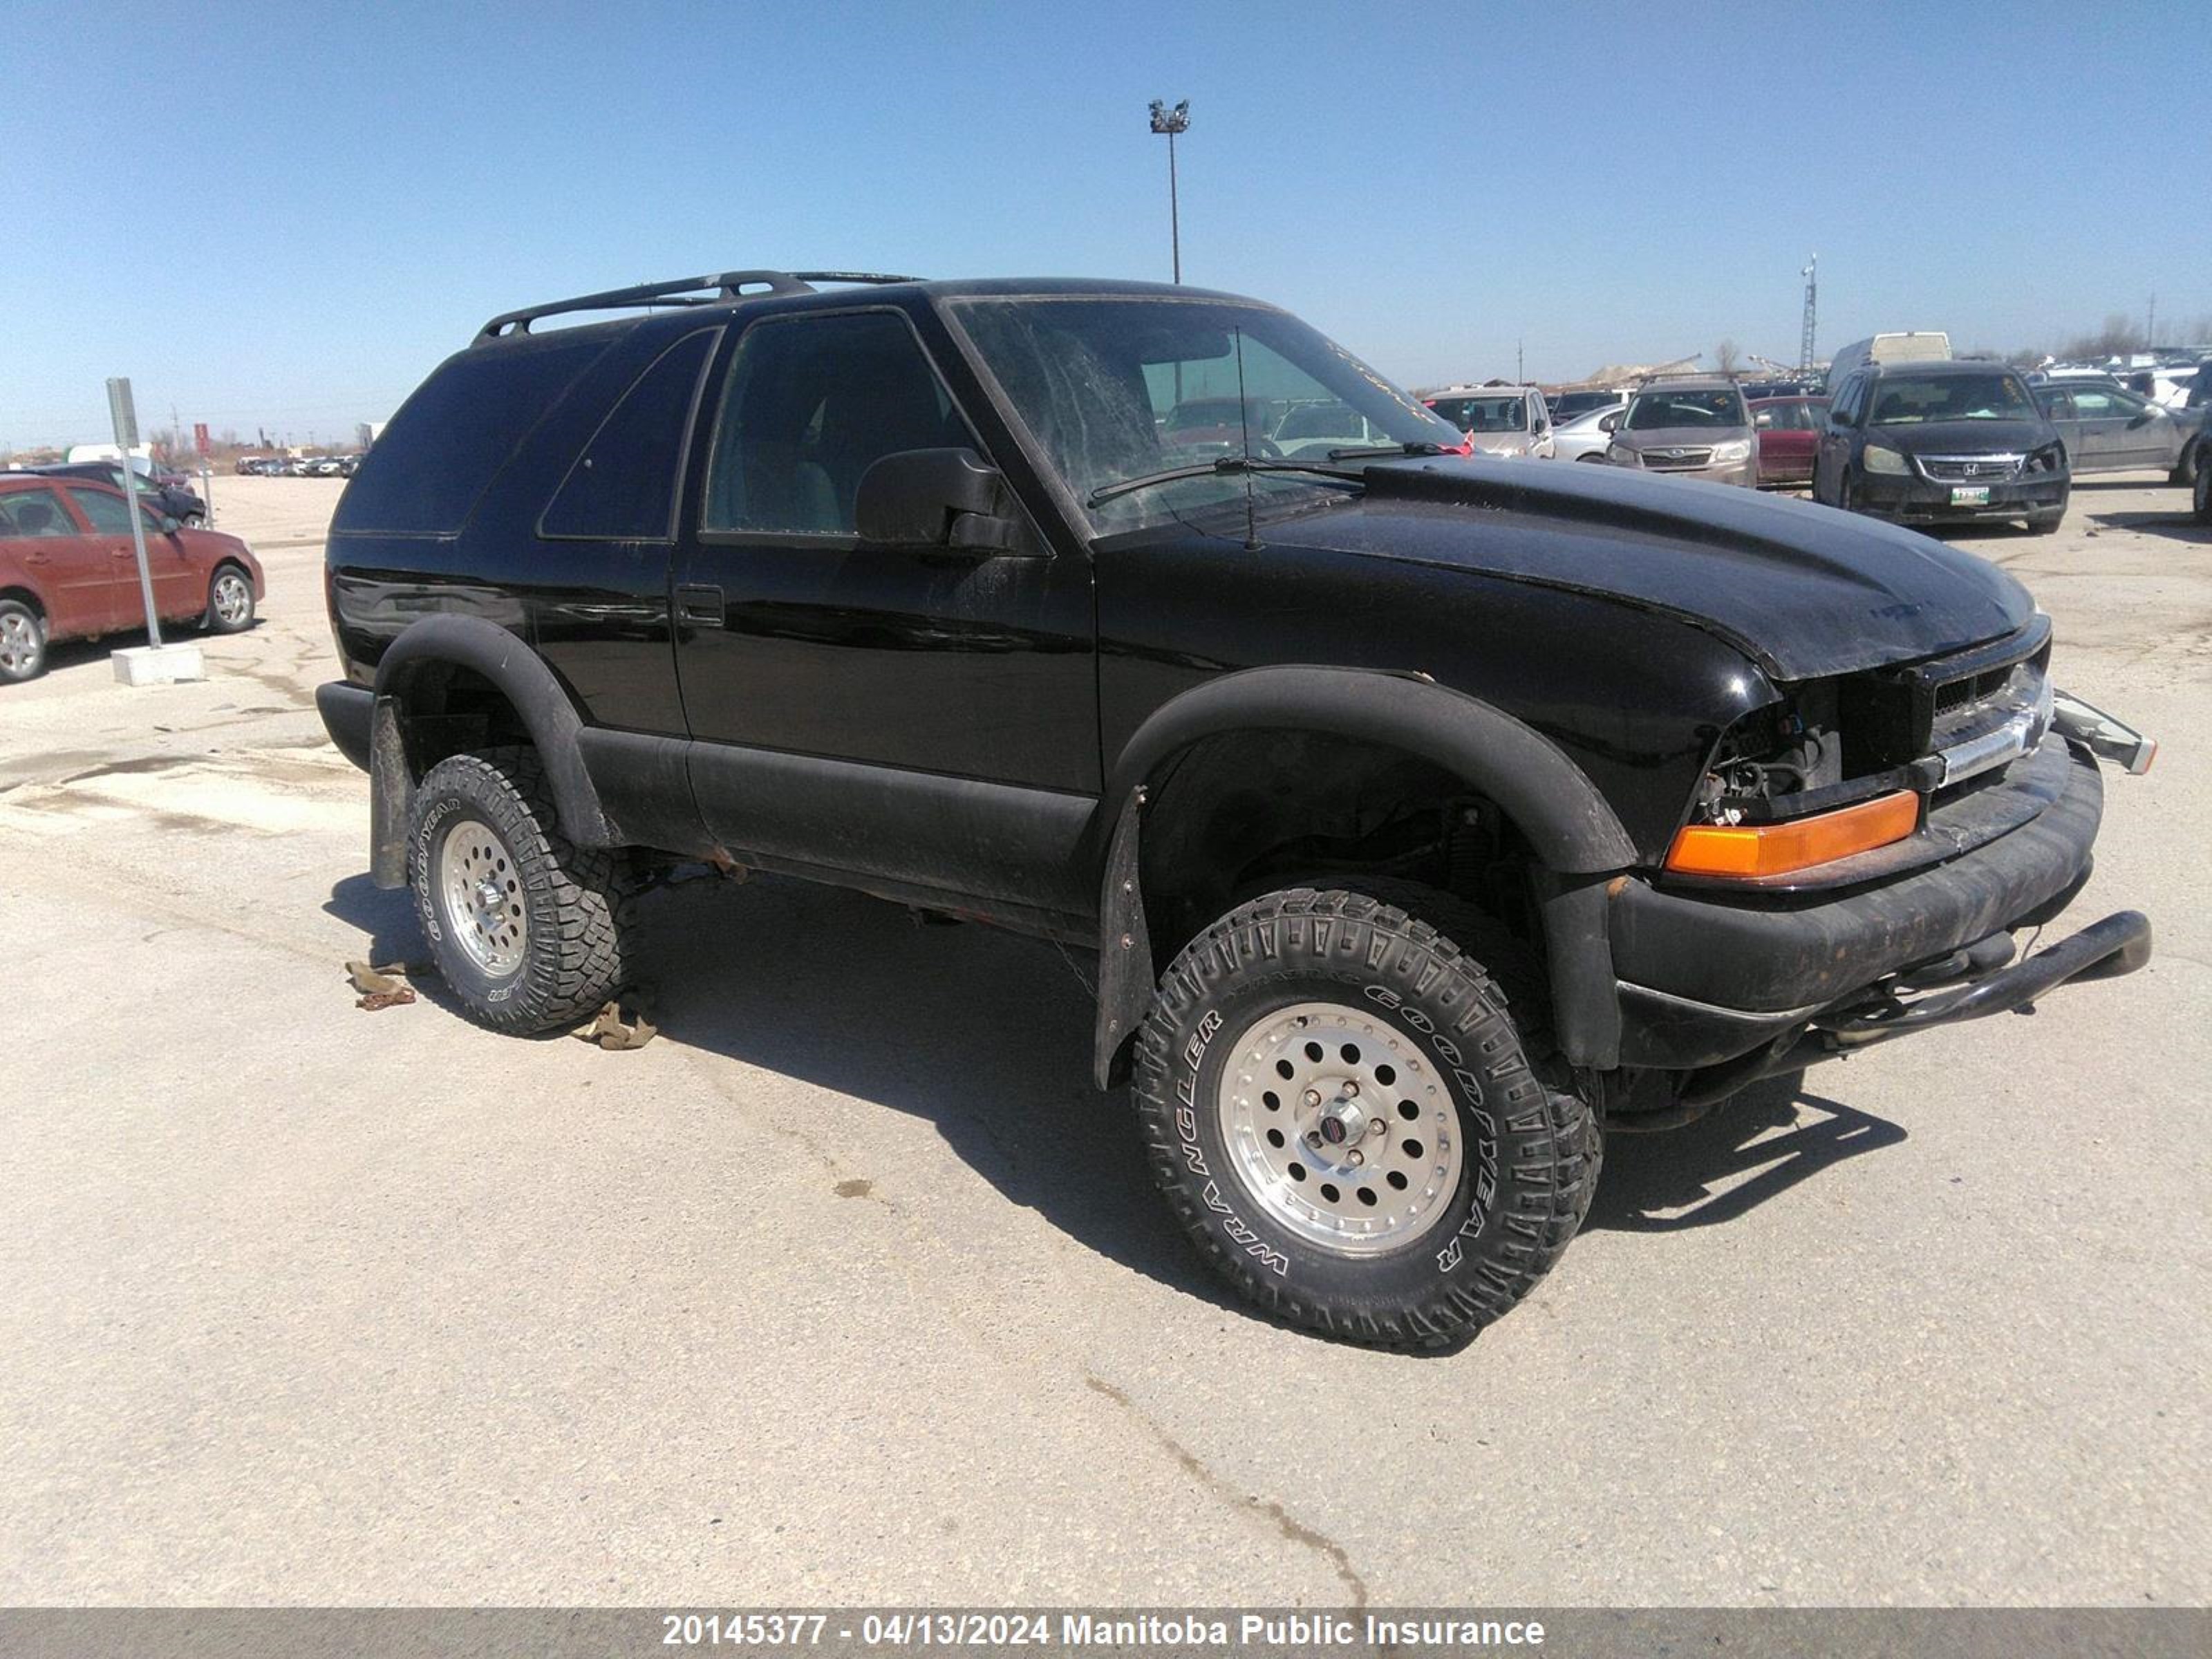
[(390, 796), (1124, 950)]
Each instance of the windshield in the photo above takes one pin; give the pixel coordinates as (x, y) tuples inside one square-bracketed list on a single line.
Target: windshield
[(1707, 406), (1121, 387), (1494, 414), (1910, 400)]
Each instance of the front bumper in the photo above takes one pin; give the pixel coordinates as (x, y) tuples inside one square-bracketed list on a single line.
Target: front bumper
[(1704, 978), (1916, 500), (1744, 472)]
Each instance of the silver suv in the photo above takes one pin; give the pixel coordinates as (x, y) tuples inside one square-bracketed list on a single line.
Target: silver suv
[(1699, 427)]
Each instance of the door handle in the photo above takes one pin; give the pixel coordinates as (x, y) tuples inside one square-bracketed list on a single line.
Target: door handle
[(699, 606), (36, 558)]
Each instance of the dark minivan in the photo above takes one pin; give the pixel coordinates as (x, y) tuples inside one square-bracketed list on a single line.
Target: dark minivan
[(1422, 815), (1940, 443)]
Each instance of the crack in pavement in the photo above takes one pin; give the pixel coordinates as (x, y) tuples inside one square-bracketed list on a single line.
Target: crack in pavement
[(1285, 1523)]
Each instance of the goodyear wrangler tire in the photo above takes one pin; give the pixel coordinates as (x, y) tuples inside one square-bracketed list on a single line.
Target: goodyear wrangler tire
[(1352, 1124), (528, 931)]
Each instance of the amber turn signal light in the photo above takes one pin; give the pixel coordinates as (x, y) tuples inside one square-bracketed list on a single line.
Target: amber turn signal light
[(1776, 849)]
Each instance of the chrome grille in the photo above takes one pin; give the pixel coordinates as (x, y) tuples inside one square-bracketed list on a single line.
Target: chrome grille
[(1970, 469), (1984, 719)]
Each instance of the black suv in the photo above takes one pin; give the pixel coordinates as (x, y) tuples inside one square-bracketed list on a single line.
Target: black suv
[(179, 502), (1427, 813), (1941, 442)]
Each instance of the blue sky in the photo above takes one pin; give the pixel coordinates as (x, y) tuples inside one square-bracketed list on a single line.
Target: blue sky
[(285, 216)]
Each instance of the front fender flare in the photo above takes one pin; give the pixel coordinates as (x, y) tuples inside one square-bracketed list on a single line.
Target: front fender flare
[(1573, 831)]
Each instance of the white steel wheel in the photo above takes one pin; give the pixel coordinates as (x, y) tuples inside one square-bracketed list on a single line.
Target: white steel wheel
[(1339, 1129)]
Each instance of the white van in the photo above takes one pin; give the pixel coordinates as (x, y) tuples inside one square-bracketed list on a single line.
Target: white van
[(1931, 346)]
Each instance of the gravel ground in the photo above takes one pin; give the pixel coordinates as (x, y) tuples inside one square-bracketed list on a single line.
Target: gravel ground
[(850, 1288)]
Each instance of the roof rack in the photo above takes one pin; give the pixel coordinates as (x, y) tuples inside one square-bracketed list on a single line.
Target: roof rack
[(683, 291)]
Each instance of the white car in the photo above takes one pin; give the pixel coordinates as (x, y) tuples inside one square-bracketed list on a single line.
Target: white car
[(1507, 421), (1585, 437), (1308, 430)]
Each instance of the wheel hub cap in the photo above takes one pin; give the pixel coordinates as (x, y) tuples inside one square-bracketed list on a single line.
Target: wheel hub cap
[(230, 598), (1338, 1129), (16, 641), (480, 892)]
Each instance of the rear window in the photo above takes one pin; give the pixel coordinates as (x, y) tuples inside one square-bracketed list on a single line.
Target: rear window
[(448, 441)]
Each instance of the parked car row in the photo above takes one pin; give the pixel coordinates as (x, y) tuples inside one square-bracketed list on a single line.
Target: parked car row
[(1909, 433), (298, 466)]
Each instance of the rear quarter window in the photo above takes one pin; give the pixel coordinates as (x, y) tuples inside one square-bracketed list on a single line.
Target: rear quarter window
[(452, 437), (622, 486)]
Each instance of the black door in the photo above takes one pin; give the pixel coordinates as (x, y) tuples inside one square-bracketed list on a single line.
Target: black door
[(878, 709)]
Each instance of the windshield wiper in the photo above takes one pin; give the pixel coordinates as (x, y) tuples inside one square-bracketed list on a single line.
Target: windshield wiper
[(1418, 446), (1227, 467)]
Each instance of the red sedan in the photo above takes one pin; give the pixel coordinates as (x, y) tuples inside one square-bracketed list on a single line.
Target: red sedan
[(1788, 432), (67, 570)]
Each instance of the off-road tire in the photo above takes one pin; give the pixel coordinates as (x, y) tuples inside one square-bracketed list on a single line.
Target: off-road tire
[(577, 900), (23, 632), (1395, 953)]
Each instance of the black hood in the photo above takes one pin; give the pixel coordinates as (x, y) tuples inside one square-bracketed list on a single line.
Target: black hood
[(1965, 437), (1805, 590)]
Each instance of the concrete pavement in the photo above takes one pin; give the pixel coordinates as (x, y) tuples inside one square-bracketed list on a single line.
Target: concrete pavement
[(850, 1288)]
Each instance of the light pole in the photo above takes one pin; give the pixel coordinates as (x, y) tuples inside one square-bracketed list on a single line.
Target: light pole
[(1172, 121)]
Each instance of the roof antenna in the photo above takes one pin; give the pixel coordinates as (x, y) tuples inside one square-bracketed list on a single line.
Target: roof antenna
[(1244, 430)]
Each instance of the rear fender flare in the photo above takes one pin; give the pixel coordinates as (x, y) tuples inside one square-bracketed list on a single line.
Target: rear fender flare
[(522, 677)]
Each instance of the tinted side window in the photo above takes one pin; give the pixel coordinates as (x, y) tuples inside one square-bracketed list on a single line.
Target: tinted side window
[(2055, 402), (108, 515), (34, 512), (810, 404), (457, 431), (622, 486)]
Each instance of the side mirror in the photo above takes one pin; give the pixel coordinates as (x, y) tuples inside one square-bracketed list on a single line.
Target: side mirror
[(170, 523), (935, 498)]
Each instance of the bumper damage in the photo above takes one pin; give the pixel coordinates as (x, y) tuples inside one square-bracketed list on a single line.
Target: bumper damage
[(2120, 943), (1722, 990)]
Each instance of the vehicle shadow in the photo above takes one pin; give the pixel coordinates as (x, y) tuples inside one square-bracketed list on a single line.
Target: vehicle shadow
[(2180, 526), (1749, 1149), (983, 1034), (393, 937), (986, 1035)]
